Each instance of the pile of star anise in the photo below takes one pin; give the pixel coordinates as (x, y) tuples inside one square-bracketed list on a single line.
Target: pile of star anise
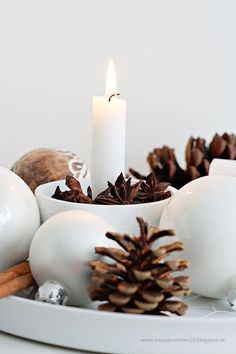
[(164, 165), (121, 192)]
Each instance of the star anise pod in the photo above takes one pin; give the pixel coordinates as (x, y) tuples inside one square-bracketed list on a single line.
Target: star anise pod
[(75, 193), (122, 192), (152, 191), (136, 174), (141, 279)]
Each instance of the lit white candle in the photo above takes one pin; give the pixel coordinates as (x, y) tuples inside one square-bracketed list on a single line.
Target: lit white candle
[(109, 126)]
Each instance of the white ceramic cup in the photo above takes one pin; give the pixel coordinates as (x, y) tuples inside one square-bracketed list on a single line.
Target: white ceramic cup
[(122, 217)]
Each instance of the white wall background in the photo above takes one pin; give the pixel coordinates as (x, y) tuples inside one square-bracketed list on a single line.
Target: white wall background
[(175, 63)]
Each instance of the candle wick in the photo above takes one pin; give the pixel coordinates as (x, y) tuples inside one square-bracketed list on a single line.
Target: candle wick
[(114, 94)]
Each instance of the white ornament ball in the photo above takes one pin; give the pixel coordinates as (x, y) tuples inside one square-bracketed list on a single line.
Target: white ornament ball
[(19, 219), (203, 215), (62, 249)]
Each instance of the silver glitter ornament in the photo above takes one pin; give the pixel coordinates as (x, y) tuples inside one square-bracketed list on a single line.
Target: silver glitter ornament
[(52, 293)]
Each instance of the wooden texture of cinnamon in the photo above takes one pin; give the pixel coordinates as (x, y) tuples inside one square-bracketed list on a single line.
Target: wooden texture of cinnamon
[(14, 272), (14, 285), (15, 278)]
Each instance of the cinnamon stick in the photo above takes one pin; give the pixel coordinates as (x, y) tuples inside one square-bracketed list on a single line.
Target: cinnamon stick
[(14, 272), (12, 286)]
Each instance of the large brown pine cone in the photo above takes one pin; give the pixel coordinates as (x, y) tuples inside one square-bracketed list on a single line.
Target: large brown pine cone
[(141, 279)]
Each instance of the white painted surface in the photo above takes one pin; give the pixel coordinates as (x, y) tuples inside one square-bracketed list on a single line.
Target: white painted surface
[(15, 345), (175, 63)]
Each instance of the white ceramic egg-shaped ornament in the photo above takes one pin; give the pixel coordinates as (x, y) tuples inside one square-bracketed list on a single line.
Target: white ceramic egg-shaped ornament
[(19, 219), (62, 249), (203, 215)]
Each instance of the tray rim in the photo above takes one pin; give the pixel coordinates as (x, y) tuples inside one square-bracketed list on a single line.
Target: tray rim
[(101, 332), (92, 312)]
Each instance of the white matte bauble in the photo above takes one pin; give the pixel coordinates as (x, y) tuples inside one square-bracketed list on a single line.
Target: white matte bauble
[(62, 249), (203, 215), (19, 219)]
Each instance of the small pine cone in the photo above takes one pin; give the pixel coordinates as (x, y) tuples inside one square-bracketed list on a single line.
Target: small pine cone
[(223, 147), (141, 279), (164, 164), (197, 158)]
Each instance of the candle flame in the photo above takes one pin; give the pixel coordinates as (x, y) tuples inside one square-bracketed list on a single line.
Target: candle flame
[(111, 80)]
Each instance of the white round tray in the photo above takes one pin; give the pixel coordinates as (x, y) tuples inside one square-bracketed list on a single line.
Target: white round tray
[(208, 327)]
